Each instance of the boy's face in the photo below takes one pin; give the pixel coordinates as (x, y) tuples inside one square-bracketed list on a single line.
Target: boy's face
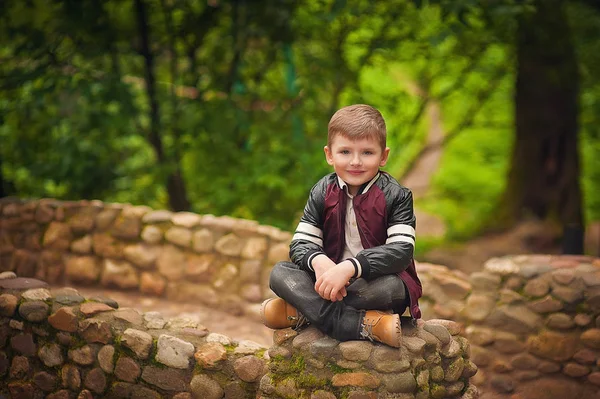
[(355, 161)]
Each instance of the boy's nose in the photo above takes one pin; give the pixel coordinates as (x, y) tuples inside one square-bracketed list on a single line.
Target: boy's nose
[(355, 160)]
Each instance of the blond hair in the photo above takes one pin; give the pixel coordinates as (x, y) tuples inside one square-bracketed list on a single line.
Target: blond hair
[(357, 122)]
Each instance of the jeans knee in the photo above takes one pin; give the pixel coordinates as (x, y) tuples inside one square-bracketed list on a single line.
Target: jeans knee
[(282, 263), (278, 273), (274, 275), (393, 283)]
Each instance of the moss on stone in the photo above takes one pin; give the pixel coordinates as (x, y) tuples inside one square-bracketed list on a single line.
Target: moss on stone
[(582, 307), (336, 369), (198, 369), (153, 362), (437, 391), (122, 350), (260, 353), (309, 381), (297, 364), (282, 368), (77, 342), (277, 358), (220, 377), (152, 356), (248, 386), (454, 365), (343, 393), (154, 348)]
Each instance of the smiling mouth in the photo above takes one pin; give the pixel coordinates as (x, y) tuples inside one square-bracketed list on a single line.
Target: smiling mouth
[(355, 172)]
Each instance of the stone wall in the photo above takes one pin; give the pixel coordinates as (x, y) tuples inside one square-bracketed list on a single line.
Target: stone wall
[(533, 323), (217, 261), (54, 344), (433, 362)]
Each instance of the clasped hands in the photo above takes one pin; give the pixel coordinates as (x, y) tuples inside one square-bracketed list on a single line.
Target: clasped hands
[(332, 278)]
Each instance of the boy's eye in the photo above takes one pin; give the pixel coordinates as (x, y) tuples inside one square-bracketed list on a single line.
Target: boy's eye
[(344, 152), (368, 152)]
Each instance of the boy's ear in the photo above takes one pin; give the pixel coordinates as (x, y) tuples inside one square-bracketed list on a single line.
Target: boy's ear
[(384, 157), (328, 155)]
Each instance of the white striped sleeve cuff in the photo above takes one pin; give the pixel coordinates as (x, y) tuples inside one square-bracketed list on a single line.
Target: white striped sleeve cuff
[(357, 267), (308, 232), (401, 233)]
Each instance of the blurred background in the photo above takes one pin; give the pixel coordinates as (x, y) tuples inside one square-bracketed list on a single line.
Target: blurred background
[(221, 107)]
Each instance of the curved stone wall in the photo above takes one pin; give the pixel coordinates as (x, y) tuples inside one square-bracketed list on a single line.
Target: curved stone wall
[(433, 362), (217, 261), (58, 344), (533, 323)]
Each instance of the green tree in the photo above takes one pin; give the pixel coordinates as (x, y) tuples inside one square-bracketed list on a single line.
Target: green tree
[(544, 178), (222, 107)]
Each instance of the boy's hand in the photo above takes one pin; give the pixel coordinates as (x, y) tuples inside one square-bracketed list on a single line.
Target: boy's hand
[(331, 285), (320, 264)]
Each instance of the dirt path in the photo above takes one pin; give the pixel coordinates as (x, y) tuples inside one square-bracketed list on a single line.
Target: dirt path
[(418, 178), (238, 328)]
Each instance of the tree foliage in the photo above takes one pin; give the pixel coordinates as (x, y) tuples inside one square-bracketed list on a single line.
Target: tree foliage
[(222, 106)]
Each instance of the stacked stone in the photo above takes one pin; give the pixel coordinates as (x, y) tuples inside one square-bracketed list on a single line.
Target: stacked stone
[(57, 344), (444, 291), (217, 261), (433, 362), (534, 326)]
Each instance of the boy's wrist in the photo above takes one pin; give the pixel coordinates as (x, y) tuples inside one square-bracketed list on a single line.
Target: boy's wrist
[(320, 263), (310, 259), (347, 268), (357, 268)]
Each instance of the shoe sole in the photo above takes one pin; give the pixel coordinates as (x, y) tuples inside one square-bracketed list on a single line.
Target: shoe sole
[(398, 330), (262, 311)]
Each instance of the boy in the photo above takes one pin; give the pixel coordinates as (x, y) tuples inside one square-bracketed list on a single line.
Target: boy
[(353, 271)]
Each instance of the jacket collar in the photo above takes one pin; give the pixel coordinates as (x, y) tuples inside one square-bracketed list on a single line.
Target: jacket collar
[(363, 189)]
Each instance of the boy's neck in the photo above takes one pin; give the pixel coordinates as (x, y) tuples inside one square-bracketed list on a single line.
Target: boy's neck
[(359, 190)]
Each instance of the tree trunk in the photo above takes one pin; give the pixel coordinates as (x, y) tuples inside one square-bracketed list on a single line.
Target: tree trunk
[(6, 188), (176, 190), (543, 180), (178, 200)]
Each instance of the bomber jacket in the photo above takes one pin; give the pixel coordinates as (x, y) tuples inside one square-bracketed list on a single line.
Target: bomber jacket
[(386, 225)]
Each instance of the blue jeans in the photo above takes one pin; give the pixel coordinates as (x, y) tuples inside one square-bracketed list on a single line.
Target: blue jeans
[(340, 320)]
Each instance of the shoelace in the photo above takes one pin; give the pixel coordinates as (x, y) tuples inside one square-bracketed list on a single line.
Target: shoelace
[(366, 331), (301, 320)]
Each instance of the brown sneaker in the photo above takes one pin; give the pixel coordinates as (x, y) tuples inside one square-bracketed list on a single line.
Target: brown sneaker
[(382, 327), (277, 313)]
